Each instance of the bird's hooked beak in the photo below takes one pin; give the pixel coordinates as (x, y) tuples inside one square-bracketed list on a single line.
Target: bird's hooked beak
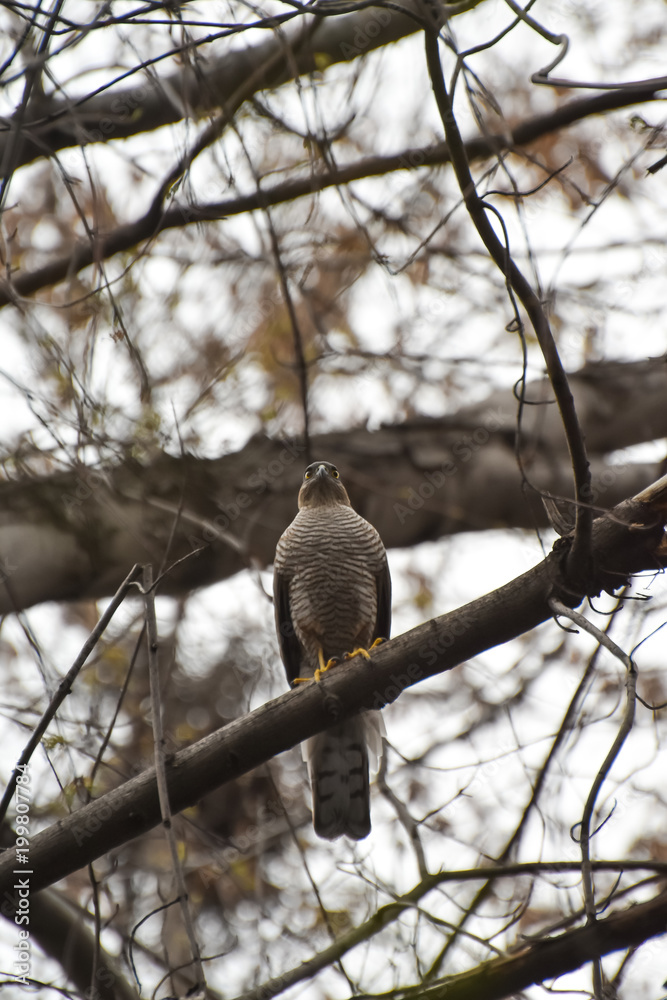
[(321, 471)]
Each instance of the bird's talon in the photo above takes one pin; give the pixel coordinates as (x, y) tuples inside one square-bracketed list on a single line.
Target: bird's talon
[(322, 669), (357, 652)]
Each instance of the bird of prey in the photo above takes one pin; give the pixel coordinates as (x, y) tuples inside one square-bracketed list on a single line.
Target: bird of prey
[(332, 595)]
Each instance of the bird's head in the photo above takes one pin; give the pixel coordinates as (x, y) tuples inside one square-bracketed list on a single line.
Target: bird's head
[(322, 487)]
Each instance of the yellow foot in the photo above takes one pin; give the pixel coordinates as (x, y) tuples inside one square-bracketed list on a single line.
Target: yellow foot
[(322, 669), (357, 652), (362, 652)]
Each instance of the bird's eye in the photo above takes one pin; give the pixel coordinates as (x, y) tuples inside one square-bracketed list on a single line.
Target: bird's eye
[(308, 475), (334, 473)]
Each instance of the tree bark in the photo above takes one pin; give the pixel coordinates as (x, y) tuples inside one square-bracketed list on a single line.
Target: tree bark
[(75, 536)]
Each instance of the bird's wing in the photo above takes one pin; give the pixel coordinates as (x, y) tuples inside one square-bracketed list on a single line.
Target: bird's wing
[(290, 647), (383, 621)]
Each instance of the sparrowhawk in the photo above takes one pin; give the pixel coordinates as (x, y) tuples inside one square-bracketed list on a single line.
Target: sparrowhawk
[(332, 594)]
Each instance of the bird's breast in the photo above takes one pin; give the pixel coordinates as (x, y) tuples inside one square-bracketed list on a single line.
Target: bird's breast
[(333, 564)]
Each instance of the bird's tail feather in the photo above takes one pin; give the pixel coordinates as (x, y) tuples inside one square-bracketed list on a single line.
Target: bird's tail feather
[(338, 762)]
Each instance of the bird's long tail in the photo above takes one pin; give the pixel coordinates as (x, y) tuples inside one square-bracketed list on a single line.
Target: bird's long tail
[(338, 762)]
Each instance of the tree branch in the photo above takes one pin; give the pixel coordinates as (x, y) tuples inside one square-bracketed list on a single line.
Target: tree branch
[(627, 540), (151, 101), (391, 912), (499, 250), (506, 976), (130, 235), (75, 535)]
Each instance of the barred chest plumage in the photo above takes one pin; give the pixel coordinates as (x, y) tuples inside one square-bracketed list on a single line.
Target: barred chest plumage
[(331, 557)]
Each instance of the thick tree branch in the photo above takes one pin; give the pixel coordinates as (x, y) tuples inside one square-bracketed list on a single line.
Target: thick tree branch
[(62, 932), (628, 540), (76, 535), (504, 977), (152, 101), (130, 235)]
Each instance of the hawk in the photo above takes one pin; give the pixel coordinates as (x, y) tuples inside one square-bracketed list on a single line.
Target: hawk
[(332, 596)]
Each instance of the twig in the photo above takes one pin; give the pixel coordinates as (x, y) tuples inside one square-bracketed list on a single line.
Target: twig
[(405, 818), (579, 556), (65, 686), (391, 912), (624, 729), (32, 82), (297, 335), (603, 638), (119, 704), (94, 884), (214, 130), (129, 235), (161, 776), (564, 729)]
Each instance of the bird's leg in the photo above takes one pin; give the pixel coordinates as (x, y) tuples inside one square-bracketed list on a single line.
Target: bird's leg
[(322, 669), (362, 652)]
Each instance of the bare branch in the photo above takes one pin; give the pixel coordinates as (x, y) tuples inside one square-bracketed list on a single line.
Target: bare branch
[(132, 234), (151, 102), (391, 912), (506, 976), (579, 558), (406, 819), (626, 725), (624, 542), (199, 987), (512, 842), (65, 686)]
